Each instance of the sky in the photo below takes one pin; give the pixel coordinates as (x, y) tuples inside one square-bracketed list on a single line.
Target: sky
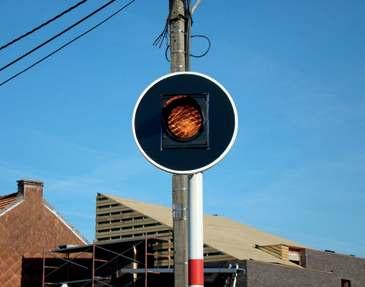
[(296, 70)]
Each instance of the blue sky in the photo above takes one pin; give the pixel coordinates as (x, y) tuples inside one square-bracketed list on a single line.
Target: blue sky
[(296, 70)]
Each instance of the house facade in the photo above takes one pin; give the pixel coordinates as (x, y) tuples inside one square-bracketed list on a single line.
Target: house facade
[(28, 227)]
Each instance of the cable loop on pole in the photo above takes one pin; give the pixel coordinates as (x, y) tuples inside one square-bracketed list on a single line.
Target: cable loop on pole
[(191, 55), (208, 48)]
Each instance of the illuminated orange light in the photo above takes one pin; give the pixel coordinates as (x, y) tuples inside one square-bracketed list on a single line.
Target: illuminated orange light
[(184, 120)]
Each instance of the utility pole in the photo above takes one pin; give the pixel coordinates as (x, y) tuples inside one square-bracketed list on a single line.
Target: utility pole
[(180, 183), (183, 147)]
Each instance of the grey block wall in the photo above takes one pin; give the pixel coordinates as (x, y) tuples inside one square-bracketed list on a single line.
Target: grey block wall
[(322, 269), (342, 266), (274, 275)]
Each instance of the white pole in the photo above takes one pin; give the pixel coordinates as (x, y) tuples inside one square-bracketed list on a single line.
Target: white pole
[(196, 257)]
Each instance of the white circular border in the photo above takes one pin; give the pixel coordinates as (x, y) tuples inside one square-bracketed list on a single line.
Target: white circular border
[(198, 169)]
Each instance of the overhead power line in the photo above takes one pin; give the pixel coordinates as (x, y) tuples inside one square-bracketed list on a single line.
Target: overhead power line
[(67, 44), (35, 29), (57, 35)]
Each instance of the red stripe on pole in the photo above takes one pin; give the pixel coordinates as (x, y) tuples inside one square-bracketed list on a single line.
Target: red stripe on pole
[(196, 272)]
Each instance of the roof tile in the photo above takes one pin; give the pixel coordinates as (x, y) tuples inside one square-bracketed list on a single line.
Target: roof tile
[(7, 200)]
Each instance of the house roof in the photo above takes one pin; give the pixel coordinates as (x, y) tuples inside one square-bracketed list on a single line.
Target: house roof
[(8, 201), (233, 238), (68, 225)]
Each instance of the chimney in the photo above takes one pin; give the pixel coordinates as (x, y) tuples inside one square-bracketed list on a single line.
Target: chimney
[(30, 189)]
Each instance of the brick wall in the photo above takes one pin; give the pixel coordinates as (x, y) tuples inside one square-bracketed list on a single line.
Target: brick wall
[(27, 230)]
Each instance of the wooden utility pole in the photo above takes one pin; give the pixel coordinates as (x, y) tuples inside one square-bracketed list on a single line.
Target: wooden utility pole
[(180, 183), (177, 24)]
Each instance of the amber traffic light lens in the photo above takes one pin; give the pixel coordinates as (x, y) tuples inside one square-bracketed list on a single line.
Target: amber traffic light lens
[(183, 118)]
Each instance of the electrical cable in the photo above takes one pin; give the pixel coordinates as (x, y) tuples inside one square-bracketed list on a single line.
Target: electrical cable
[(188, 24), (166, 53), (57, 35), (68, 43), (192, 55), (207, 50), (163, 36), (42, 25), (195, 6)]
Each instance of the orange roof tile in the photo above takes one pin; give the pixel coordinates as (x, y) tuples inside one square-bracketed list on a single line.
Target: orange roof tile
[(7, 200)]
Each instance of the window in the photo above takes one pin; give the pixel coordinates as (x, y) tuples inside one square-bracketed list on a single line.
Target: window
[(345, 283), (294, 256)]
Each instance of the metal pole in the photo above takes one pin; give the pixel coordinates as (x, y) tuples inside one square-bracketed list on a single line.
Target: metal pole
[(145, 263), (93, 267), (134, 265), (44, 268), (179, 182), (196, 256)]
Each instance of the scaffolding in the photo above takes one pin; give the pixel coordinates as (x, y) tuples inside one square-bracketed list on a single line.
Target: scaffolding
[(124, 262), (99, 264)]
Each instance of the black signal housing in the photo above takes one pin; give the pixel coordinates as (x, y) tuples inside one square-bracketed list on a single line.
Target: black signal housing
[(185, 121)]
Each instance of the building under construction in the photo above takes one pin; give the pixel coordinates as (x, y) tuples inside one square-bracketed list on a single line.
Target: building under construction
[(134, 247)]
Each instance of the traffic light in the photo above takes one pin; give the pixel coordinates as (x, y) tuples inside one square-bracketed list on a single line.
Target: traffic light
[(185, 121)]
